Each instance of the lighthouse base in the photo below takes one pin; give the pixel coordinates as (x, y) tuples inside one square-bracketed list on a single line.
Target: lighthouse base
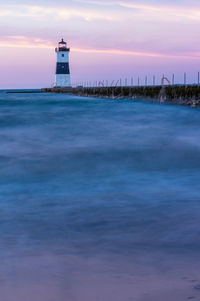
[(63, 81)]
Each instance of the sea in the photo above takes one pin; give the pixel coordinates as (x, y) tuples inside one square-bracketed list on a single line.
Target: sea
[(99, 199)]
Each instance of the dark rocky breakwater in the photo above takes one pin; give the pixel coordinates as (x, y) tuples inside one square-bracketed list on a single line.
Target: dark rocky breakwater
[(184, 95)]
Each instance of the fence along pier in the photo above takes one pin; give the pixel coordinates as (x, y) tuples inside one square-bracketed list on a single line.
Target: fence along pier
[(166, 91)]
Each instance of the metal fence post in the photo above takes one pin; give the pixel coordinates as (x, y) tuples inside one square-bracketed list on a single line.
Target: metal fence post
[(154, 80), (145, 80)]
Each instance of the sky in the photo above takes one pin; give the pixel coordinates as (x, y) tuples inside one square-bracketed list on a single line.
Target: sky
[(109, 40)]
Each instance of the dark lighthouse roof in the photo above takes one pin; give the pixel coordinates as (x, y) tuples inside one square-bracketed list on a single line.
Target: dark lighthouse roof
[(62, 46), (62, 42)]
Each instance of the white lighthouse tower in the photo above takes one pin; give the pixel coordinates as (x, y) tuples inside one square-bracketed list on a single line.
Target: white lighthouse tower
[(62, 66)]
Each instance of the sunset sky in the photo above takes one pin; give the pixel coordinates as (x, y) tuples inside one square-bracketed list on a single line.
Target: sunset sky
[(108, 39)]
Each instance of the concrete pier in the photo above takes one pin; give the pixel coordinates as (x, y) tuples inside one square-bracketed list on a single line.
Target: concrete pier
[(177, 94)]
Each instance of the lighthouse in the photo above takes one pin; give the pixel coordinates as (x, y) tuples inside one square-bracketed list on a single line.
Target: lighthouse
[(62, 66)]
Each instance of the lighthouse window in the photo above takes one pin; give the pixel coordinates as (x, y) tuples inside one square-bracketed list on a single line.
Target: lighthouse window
[(63, 55)]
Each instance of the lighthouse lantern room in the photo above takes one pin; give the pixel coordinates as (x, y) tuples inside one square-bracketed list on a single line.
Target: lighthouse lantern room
[(62, 66)]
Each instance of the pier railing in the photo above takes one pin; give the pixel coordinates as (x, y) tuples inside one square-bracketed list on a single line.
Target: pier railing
[(165, 91), (144, 81)]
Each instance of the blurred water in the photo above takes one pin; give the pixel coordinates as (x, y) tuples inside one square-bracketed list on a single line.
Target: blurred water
[(99, 199)]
